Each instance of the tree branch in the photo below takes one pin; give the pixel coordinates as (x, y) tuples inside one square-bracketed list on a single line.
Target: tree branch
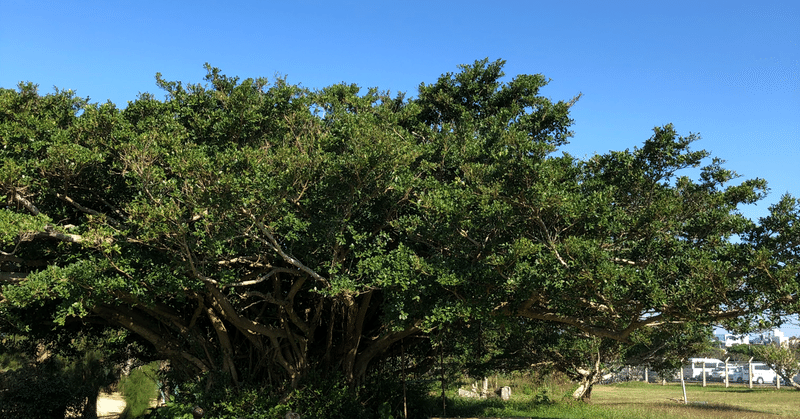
[(550, 241), (287, 307), (380, 345), (86, 210), (262, 278), (25, 203), (64, 237), (13, 277), (130, 321), (224, 307), (225, 342), (273, 244)]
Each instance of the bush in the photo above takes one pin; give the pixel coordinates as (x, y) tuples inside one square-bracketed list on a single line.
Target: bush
[(138, 389), (317, 396), (543, 397)]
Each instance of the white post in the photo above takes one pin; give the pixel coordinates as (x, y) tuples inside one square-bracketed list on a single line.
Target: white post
[(750, 371), (646, 378), (727, 382), (683, 385), (704, 373)]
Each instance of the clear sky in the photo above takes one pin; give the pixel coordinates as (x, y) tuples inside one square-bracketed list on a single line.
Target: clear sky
[(728, 70)]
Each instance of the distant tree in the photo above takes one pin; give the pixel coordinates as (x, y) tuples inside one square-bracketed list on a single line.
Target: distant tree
[(784, 360), (742, 352), (710, 349)]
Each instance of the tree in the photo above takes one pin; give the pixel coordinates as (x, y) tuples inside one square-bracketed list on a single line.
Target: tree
[(622, 237), (176, 220), (621, 243), (265, 230), (259, 231)]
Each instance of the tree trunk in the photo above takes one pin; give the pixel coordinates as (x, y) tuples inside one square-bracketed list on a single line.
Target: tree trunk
[(788, 378), (355, 311), (584, 390), (588, 377), (90, 410)]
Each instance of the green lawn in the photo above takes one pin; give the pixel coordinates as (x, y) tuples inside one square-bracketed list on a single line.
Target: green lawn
[(714, 401), (642, 401)]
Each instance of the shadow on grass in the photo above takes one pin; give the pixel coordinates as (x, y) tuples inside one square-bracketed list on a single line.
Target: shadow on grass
[(721, 407), (748, 391), (492, 408), (742, 391), (697, 405)]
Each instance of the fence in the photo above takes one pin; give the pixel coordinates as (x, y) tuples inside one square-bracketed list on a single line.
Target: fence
[(737, 373)]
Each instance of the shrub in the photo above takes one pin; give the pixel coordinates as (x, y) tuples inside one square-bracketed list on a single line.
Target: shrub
[(138, 389), (317, 396)]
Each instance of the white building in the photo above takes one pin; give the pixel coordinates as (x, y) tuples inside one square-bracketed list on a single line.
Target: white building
[(730, 340), (774, 336), (779, 338)]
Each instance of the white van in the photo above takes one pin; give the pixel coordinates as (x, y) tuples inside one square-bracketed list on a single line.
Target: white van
[(761, 374), (694, 369)]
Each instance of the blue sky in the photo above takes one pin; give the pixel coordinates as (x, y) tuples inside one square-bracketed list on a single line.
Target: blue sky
[(728, 70)]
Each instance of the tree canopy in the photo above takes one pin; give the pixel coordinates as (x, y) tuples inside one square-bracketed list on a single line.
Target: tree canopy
[(265, 230)]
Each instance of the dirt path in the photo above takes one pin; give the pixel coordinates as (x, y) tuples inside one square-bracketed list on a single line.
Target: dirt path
[(110, 405)]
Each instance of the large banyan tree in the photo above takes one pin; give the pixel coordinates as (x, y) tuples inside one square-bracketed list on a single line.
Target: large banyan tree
[(267, 230)]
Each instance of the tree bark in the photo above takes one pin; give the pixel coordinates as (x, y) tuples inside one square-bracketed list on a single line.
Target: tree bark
[(90, 410), (355, 312), (584, 390), (225, 342)]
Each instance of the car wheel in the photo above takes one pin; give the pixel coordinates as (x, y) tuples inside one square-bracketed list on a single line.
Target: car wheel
[(739, 380), (760, 380)]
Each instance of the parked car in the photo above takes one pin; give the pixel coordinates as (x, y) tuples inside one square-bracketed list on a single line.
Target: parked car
[(737, 375), (718, 374)]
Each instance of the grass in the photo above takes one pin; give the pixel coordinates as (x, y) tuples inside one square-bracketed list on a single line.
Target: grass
[(714, 401), (634, 401)]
